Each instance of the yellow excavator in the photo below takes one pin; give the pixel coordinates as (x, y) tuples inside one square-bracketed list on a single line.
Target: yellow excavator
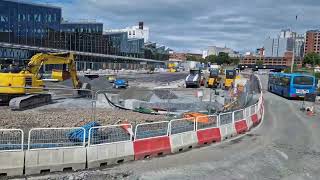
[(24, 88)]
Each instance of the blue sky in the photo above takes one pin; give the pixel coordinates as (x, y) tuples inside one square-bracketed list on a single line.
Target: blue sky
[(192, 25)]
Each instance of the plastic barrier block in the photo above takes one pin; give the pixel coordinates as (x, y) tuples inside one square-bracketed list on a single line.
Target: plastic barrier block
[(227, 131), (109, 154), (208, 136), (249, 122), (183, 141), (54, 160), (152, 147), (11, 163), (255, 119), (241, 126)]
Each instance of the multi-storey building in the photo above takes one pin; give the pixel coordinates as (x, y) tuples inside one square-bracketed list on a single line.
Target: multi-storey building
[(312, 42)]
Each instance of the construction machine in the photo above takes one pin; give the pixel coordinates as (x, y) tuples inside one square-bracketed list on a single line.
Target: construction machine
[(229, 78), (213, 80), (24, 88), (194, 78)]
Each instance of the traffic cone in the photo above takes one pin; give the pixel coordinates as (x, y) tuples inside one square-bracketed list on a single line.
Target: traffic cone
[(126, 126)]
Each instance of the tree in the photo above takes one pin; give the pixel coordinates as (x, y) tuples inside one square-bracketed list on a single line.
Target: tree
[(312, 58), (212, 59)]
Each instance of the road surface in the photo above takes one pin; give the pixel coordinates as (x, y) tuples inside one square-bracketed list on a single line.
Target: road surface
[(285, 146)]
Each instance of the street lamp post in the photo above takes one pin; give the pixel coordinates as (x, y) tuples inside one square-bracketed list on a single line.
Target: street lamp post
[(293, 53)]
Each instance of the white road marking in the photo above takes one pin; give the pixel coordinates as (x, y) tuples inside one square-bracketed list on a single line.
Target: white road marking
[(284, 155)]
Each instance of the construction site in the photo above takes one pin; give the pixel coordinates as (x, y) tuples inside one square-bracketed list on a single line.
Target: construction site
[(66, 98)]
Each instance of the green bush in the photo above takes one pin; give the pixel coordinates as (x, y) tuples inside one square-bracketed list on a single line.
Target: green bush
[(317, 75)]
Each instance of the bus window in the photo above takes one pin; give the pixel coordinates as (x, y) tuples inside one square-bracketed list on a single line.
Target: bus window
[(303, 80), (285, 81)]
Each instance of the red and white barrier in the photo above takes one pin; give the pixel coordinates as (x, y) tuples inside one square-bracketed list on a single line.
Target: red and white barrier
[(227, 127), (183, 135), (150, 142), (207, 130), (240, 122)]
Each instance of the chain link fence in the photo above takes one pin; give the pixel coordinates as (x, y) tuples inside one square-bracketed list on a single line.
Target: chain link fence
[(225, 118), (11, 139), (110, 134), (150, 130), (178, 126), (205, 122), (43, 138)]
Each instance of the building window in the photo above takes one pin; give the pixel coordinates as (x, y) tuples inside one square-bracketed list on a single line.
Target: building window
[(134, 33), (129, 33)]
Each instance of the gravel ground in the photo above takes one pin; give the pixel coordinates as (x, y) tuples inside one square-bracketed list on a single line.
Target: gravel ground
[(61, 117)]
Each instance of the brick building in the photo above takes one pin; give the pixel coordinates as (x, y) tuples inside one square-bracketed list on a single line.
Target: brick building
[(271, 61), (312, 43)]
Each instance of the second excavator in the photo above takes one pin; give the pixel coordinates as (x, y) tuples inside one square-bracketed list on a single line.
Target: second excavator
[(25, 89)]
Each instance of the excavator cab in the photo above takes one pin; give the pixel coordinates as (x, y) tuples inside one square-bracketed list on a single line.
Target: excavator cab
[(60, 75)]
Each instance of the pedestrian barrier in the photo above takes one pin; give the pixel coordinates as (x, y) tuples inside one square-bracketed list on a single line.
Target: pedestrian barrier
[(11, 152), (182, 134), (254, 115), (240, 122), (109, 145), (54, 149), (151, 139), (227, 128), (209, 132), (247, 115), (61, 149)]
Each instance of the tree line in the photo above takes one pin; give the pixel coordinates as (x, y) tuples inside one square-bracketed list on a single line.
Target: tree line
[(221, 58)]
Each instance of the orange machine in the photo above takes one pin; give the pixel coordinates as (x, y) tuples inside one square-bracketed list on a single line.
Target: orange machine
[(201, 118)]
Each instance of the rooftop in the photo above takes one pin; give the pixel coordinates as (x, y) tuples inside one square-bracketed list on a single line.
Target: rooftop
[(33, 4)]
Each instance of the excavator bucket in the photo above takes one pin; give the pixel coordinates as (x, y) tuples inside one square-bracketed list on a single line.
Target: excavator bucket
[(60, 75)]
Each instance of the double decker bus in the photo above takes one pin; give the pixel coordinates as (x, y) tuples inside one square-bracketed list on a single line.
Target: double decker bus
[(291, 85)]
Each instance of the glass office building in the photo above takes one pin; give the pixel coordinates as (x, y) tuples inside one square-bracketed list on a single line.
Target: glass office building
[(27, 23), (82, 27)]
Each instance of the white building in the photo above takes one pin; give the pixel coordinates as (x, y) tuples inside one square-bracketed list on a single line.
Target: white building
[(277, 47), (214, 50), (134, 32)]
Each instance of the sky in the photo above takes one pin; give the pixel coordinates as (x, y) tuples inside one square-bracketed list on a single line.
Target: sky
[(193, 25)]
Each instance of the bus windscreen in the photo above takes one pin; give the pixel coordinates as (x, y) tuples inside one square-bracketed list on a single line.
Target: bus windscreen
[(303, 80)]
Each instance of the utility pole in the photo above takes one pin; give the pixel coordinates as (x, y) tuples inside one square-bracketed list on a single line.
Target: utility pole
[(294, 46)]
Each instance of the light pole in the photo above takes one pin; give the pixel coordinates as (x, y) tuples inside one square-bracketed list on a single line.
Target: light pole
[(294, 45)]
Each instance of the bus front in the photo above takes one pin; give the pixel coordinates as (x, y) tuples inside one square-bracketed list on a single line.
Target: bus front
[(301, 85)]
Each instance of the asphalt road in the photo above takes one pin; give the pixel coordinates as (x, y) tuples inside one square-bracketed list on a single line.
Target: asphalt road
[(285, 146)]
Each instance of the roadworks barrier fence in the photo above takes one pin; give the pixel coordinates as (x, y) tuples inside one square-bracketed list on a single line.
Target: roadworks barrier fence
[(65, 149)]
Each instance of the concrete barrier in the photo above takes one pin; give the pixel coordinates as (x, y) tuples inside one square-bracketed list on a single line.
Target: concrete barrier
[(183, 141), (208, 136), (109, 154), (109, 145), (11, 163), (227, 131), (54, 160)]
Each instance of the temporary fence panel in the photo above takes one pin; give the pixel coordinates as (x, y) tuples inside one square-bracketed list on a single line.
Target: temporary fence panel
[(151, 139), (239, 121), (11, 152), (109, 145), (48, 138), (207, 129), (247, 116), (254, 115), (55, 149), (227, 128), (182, 134)]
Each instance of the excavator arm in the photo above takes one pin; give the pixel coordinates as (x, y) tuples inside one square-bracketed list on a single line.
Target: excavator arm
[(55, 58)]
